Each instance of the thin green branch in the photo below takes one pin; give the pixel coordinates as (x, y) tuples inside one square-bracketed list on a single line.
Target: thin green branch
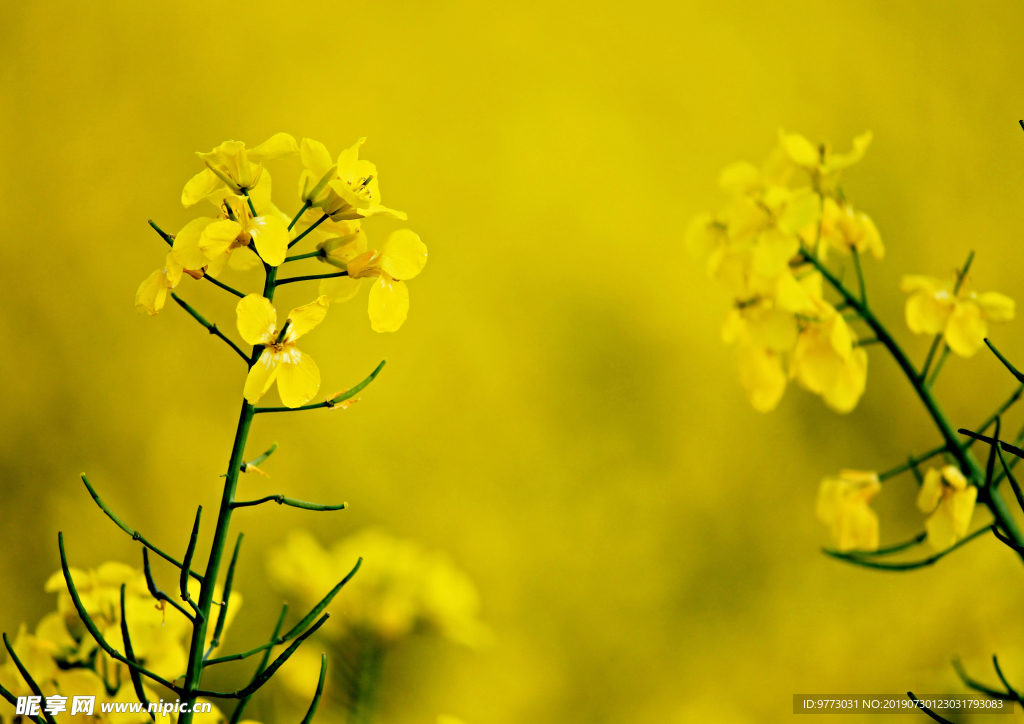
[(991, 465), (301, 236), (911, 462), (169, 238), (1002, 678), (295, 630), (13, 701), (26, 676), (256, 460), (1006, 541), (210, 327), (896, 548), (319, 691), (223, 286), (860, 276), (94, 630), (977, 685), (909, 565), (245, 192), (236, 715), (931, 355), (267, 673), (926, 710), (938, 366), (282, 500), (186, 563), (299, 215), (136, 535), (347, 394), (1009, 475), (129, 652), (1006, 363), (310, 255), (310, 277), (156, 592), (866, 342), (229, 581)]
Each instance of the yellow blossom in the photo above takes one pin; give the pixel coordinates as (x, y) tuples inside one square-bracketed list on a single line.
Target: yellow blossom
[(402, 256), (828, 362), (208, 242), (339, 251), (347, 189), (961, 315), (844, 229), (152, 293), (949, 498), (234, 167), (821, 162), (762, 333), (297, 376), (843, 507)]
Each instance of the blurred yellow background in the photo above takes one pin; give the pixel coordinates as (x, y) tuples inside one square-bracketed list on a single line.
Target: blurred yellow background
[(558, 413)]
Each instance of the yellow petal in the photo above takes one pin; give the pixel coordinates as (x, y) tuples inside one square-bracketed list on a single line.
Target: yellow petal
[(910, 283), (772, 252), (257, 319), (792, 295), (348, 158), (151, 294), (186, 244), (954, 478), (403, 255), (314, 156), (849, 385), (740, 178), (966, 329), (997, 307), (843, 160), (930, 494), (218, 236), (299, 378), (804, 208), (306, 317), (241, 259), (388, 305), (280, 145), (199, 187), (262, 375), (799, 149), (926, 313), (270, 235), (841, 337), (961, 509), (261, 195), (339, 289), (761, 375)]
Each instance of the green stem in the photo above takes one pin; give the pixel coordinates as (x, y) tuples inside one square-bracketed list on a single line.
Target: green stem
[(299, 215), (968, 464), (301, 236), (310, 255), (289, 280), (194, 672)]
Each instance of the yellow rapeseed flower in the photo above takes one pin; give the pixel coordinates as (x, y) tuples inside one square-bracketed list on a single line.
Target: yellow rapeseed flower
[(152, 293), (844, 229), (208, 242), (233, 166), (762, 333), (949, 498), (402, 256), (821, 162), (347, 189), (828, 362), (843, 505), (297, 376), (961, 318)]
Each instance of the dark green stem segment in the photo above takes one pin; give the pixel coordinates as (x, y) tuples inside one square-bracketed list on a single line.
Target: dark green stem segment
[(292, 502), (210, 327), (860, 560), (312, 226), (310, 277), (129, 651), (968, 464), (311, 712), (136, 535), (26, 676), (194, 671)]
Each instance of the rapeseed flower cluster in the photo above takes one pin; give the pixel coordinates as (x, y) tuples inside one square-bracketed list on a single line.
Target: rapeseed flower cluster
[(248, 230), (65, 660), (781, 325)]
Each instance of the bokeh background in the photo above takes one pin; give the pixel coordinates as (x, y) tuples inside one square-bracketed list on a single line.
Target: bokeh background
[(558, 414)]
